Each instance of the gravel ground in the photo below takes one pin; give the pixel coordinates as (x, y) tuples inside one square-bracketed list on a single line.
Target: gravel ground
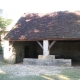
[(26, 70), (23, 70)]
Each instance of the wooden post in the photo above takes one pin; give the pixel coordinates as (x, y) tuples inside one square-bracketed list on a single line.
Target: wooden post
[(46, 48), (51, 44), (40, 44)]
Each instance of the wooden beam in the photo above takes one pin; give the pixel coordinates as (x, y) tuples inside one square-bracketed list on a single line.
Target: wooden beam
[(56, 39), (51, 44), (40, 44)]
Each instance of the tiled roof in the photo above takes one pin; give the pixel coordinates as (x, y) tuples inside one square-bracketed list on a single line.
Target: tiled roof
[(53, 26)]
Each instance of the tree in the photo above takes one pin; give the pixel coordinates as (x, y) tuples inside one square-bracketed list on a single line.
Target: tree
[(4, 23)]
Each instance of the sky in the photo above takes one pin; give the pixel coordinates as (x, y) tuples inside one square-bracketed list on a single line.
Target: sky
[(15, 8)]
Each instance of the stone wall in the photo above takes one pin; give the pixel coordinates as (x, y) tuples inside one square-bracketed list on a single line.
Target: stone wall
[(19, 49), (62, 49), (66, 49)]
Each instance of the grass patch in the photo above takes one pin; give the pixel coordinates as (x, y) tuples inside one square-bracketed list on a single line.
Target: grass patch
[(67, 74), (71, 73), (9, 77), (30, 78), (5, 76), (2, 63)]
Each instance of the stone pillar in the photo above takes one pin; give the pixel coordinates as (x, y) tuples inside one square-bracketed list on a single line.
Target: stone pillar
[(9, 56), (45, 48)]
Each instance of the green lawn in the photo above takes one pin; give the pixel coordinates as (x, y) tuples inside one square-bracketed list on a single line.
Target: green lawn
[(67, 74), (41, 77)]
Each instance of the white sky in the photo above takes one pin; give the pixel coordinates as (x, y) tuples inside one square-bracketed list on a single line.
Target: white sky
[(15, 8)]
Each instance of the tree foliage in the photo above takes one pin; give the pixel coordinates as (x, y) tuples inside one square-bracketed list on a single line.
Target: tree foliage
[(4, 23)]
